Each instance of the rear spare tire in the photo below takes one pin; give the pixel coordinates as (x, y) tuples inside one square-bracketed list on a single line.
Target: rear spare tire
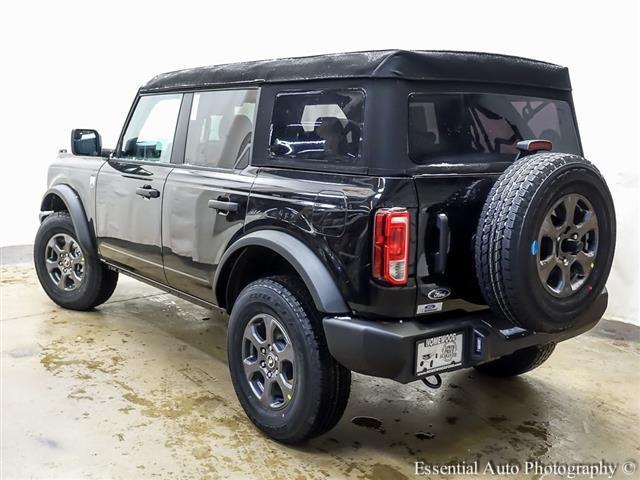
[(545, 241)]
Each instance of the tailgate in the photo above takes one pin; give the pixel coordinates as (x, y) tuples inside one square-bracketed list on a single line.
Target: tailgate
[(449, 208)]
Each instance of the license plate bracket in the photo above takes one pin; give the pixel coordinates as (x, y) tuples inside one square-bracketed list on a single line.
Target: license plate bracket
[(439, 353)]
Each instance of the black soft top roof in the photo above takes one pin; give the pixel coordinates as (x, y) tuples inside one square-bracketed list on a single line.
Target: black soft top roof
[(396, 64)]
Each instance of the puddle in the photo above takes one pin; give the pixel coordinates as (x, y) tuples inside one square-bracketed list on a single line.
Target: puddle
[(47, 442), (368, 422), (498, 419), (22, 352), (537, 429)]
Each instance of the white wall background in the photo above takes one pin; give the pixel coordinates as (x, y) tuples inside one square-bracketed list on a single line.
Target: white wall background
[(79, 64)]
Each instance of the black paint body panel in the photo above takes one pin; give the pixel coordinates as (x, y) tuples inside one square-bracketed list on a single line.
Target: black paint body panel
[(178, 241), (297, 202), (388, 349), (194, 235)]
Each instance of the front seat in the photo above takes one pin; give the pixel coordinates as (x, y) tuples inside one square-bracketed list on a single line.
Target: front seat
[(237, 142)]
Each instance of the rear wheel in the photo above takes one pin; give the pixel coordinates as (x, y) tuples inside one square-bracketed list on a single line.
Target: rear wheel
[(67, 275), (518, 362), (283, 374)]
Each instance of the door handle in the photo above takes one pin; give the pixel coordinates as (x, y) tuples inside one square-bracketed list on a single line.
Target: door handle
[(147, 191), (223, 205), (444, 242)]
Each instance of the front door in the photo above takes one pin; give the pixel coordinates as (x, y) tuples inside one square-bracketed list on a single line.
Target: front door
[(205, 198), (130, 188)]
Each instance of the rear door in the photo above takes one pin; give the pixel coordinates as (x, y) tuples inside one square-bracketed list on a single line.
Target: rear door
[(130, 188), (205, 199)]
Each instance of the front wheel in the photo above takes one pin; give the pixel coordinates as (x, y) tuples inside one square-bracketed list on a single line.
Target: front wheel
[(68, 277), (283, 374)]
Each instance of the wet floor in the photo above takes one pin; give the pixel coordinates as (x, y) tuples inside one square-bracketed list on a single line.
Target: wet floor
[(139, 388)]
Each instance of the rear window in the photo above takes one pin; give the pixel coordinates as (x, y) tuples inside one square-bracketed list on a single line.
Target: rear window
[(324, 126), (469, 127)]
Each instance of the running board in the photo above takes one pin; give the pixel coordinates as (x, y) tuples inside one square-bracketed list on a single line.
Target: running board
[(166, 288)]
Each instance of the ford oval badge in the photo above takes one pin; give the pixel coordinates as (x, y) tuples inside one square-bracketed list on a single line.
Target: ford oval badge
[(439, 293)]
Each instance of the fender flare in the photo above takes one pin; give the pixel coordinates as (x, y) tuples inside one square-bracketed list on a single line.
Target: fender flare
[(72, 201), (314, 273)]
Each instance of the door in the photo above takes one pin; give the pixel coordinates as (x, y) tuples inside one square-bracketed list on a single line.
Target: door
[(206, 197), (130, 188)]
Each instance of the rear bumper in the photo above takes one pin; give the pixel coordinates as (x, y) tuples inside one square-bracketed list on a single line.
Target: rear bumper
[(388, 349)]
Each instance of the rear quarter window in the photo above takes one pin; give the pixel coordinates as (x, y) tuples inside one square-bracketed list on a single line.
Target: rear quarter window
[(322, 126), (468, 128)]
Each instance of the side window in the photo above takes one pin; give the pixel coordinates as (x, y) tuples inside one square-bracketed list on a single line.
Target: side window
[(220, 128), (149, 135), (321, 125)]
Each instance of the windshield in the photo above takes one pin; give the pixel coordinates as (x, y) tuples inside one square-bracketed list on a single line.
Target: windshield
[(474, 128)]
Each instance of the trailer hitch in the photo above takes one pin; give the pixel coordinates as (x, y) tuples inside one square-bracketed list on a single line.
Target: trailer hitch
[(437, 381)]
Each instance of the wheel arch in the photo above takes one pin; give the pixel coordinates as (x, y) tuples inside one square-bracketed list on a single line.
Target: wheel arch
[(63, 197), (284, 254)]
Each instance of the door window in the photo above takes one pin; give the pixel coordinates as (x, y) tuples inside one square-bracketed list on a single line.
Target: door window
[(149, 135), (220, 128)]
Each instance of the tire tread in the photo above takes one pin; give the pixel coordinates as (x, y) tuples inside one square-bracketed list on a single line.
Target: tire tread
[(103, 281), (502, 216), (335, 380)]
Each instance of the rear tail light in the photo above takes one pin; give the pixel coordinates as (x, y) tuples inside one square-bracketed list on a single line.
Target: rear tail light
[(391, 245)]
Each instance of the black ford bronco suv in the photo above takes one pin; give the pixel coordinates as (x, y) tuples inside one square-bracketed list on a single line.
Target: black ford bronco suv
[(394, 213)]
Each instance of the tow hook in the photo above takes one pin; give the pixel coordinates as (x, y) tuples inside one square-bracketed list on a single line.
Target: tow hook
[(437, 381)]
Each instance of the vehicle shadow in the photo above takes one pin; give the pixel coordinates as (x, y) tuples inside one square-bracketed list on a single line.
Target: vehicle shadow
[(469, 418)]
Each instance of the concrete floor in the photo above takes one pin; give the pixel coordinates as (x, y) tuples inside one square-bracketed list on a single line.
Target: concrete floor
[(139, 388)]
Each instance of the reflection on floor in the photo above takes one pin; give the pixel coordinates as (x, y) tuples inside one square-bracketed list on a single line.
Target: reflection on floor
[(140, 388)]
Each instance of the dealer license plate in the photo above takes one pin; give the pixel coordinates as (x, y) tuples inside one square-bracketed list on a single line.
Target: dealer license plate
[(439, 353)]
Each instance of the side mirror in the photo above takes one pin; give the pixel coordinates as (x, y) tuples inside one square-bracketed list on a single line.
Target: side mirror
[(86, 142)]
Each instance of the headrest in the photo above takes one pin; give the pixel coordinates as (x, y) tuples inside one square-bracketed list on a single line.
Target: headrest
[(417, 118), (231, 123), (329, 127)]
